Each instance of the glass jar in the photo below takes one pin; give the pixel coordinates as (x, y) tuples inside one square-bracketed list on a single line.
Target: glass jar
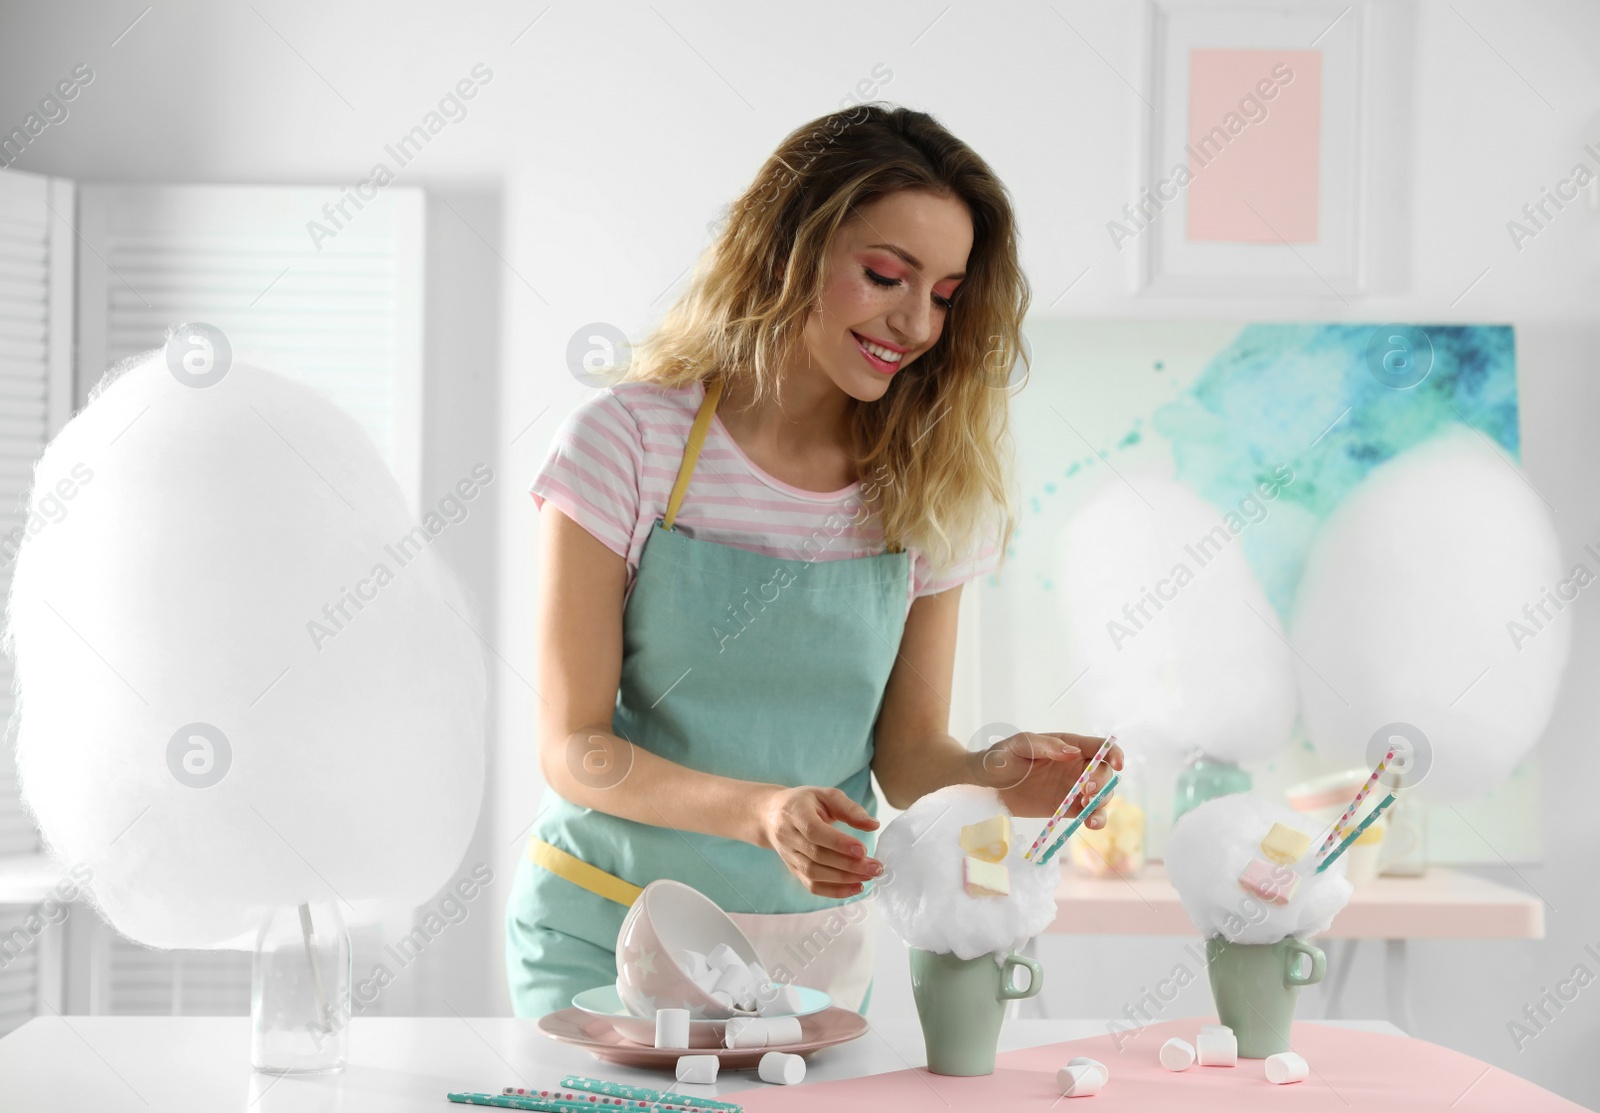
[(1205, 778), (300, 990)]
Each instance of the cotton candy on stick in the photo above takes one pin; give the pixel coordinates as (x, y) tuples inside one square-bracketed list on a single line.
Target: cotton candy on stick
[(198, 578)]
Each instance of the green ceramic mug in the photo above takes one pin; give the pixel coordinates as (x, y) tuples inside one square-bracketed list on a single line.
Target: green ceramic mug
[(1255, 986), (961, 1002)]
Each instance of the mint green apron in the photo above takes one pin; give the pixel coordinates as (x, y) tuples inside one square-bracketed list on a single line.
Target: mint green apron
[(735, 663)]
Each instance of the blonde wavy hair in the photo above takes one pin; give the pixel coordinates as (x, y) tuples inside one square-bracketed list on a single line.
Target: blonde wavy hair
[(937, 445)]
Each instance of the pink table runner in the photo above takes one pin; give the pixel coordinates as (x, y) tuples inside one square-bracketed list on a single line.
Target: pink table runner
[(1350, 1070)]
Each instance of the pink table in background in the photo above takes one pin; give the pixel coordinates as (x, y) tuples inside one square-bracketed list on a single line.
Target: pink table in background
[(1351, 1070), (1442, 904)]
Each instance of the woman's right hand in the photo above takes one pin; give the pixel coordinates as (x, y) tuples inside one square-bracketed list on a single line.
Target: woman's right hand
[(798, 824)]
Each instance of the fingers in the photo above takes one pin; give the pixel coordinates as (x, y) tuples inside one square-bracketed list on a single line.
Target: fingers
[(817, 831), (858, 869), (823, 880), (835, 890), (1042, 747), (840, 806)]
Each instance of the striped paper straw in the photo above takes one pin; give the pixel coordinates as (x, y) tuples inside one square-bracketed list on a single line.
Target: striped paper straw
[(516, 1101), (1356, 834), (1338, 828), (645, 1093), (1088, 810), (569, 1101), (1077, 787)]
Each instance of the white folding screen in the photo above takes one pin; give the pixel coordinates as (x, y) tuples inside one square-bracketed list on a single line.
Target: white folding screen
[(36, 311), (36, 253), (340, 308)]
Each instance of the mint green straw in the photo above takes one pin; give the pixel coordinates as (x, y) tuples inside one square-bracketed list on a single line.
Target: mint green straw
[(645, 1093), (1088, 810)]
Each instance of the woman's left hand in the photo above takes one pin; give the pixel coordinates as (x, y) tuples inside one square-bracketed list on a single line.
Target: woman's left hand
[(1034, 772)]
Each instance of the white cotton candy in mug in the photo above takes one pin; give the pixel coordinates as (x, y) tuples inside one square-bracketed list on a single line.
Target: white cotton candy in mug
[(920, 893), (246, 678)]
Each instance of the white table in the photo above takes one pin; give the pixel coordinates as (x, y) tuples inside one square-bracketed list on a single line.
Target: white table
[(108, 1064), (1441, 904)]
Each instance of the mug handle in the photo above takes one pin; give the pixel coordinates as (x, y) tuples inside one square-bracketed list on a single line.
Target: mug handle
[(1008, 990), (1319, 962)]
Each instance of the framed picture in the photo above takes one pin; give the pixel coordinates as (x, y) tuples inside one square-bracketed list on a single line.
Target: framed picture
[(1257, 170)]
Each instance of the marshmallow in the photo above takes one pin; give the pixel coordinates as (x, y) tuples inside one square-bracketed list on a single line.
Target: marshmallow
[(1273, 883), (1085, 1061), (723, 998), (700, 1069), (1285, 1067), (735, 980), (985, 879), (761, 1031), (1284, 844), (692, 963), (1176, 1054), (722, 956), (1217, 1049), (989, 841), (1080, 1081), (672, 1028), (781, 1069), (759, 973), (778, 1000), (744, 1031), (707, 980)]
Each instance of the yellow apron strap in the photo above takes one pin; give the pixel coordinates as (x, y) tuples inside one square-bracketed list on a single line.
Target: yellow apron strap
[(581, 873), (691, 451)]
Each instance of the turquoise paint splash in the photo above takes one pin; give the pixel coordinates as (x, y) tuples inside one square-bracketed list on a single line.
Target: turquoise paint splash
[(1302, 395)]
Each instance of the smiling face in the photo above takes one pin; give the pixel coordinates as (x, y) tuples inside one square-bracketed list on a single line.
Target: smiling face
[(891, 274)]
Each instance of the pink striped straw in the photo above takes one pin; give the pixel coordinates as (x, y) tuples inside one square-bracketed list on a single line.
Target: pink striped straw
[(1338, 831), (1077, 787)]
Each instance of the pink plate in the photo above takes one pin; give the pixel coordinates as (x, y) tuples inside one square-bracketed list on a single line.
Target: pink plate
[(596, 1035)]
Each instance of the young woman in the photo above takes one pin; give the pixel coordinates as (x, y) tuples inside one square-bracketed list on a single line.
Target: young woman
[(751, 558)]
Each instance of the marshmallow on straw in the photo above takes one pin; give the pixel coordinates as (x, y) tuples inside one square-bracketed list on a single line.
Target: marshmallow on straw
[(1356, 834), (1066, 803), (1338, 828)]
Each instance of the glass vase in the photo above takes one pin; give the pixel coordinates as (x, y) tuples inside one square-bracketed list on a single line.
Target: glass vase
[(300, 991)]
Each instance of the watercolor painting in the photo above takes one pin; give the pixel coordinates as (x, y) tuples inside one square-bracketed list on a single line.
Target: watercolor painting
[(1222, 408)]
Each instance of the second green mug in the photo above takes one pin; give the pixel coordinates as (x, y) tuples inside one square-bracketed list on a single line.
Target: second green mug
[(1255, 986), (961, 1003)]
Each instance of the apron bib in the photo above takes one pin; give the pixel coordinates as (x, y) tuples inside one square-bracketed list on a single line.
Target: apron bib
[(744, 665)]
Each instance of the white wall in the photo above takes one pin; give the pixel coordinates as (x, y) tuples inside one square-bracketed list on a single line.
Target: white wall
[(579, 186)]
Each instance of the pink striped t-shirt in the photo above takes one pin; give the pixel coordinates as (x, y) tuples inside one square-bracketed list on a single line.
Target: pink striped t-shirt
[(614, 459)]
